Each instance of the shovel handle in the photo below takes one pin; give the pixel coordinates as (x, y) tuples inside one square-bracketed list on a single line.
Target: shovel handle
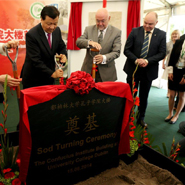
[(94, 50), (15, 74)]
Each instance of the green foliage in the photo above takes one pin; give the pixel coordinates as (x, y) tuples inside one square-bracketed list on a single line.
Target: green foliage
[(8, 181), (9, 159), (173, 152), (139, 131), (151, 139), (133, 147), (5, 89), (163, 150), (9, 154)]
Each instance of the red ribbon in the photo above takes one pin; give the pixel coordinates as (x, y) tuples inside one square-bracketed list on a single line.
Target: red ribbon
[(61, 81), (104, 3), (94, 68)]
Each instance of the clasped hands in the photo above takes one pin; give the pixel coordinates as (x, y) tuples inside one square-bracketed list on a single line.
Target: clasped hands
[(59, 72), (142, 62), (98, 58)]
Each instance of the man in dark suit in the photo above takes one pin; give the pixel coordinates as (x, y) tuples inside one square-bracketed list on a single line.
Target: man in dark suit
[(109, 45), (39, 66), (147, 63)]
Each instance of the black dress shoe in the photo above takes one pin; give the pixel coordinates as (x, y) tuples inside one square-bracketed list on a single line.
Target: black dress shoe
[(172, 122), (168, 119), (142, 123)]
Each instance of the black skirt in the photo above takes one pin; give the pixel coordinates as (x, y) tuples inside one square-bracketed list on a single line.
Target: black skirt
[(177, 77)]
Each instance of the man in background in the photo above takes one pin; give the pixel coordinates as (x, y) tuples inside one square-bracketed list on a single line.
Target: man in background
[(42, 43), (105, 38), (145, 47)]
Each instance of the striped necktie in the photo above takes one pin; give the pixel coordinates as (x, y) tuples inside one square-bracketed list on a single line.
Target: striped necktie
[(100, 37), (144, 50)]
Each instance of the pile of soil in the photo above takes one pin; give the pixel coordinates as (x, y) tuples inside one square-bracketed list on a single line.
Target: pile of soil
[(140, 172)]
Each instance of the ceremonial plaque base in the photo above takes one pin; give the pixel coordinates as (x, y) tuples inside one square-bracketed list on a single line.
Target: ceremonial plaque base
[(72, 137)]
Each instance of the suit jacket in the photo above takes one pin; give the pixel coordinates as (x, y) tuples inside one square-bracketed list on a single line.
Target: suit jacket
[(156, 52), (182, 36), (39, 62), (175, 54), (111, 47)]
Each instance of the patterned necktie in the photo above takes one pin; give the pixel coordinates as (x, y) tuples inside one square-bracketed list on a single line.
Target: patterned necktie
[(100, 37), (49, 39), (144, 50)]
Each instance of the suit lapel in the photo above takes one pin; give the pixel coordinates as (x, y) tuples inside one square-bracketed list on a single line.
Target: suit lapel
[(95, 34), (141, 35), (107, 35), (153, 39), (44, 39), (54, 37)]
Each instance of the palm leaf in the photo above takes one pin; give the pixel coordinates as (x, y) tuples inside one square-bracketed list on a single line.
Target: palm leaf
[(158, 149), (164, 148)]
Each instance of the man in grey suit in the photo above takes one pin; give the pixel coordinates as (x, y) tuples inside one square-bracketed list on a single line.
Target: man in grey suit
[(42, 43), (105, 38), (148, 61)]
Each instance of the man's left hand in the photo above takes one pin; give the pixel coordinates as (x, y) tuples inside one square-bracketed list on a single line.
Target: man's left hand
[(99, 59), (63, 58)]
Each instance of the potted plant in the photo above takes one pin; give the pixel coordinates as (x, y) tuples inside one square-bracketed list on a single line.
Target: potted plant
[(9, 170)]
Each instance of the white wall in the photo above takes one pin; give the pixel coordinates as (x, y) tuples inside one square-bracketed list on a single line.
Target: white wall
[(76, 57)]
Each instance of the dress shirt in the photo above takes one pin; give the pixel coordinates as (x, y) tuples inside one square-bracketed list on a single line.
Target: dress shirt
[(104, 31), (150, 36), (104, 57)]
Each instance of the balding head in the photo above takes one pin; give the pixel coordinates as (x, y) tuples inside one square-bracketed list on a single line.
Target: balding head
[(150, 20), (102, 18), (153, 15)]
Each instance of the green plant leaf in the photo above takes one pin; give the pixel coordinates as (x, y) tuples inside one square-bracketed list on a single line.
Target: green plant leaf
[(158, 149), (15, 157), (164, 148)]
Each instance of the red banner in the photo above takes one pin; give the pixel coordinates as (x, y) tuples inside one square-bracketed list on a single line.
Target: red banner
[(17, 18), (104, 3), (133, 15)]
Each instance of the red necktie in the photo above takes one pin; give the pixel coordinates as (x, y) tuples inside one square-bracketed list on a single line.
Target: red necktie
[(49, 39)]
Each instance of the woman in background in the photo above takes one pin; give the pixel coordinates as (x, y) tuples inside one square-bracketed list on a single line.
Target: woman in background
[(175, 35), (176, 76)]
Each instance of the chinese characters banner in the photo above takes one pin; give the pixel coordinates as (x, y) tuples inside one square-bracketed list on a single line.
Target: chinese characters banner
[(17, 18)]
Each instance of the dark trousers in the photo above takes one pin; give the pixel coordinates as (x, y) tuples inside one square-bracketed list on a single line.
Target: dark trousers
[(144, 85), (98, 77)]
